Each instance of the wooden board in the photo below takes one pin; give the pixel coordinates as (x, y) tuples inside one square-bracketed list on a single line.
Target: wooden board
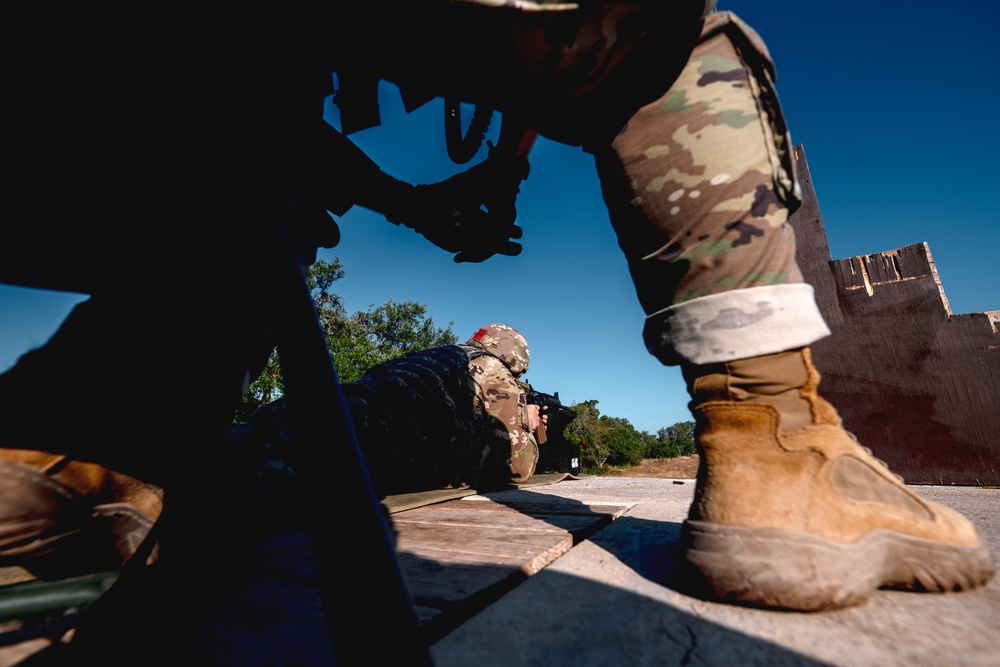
[(457, 557)]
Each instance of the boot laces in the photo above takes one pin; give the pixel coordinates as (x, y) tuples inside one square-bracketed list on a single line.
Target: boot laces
[(869, 452)]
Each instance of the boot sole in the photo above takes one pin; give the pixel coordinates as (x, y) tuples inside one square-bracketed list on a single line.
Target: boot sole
[(802, 572)]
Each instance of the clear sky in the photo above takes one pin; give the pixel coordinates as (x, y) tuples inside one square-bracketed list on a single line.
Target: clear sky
[(895, 104)]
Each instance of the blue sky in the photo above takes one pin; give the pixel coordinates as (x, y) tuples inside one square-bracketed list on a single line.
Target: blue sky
[(895, 104)]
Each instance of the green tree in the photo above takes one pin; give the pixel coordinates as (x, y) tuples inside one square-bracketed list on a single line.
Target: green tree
[(357, 341), (382, 333), (655, 448), (604, 440), (266, 388), (624, 442), (678, 439), (587, 431)]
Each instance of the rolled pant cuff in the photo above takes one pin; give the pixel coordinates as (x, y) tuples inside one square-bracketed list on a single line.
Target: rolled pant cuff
[(736, 325)]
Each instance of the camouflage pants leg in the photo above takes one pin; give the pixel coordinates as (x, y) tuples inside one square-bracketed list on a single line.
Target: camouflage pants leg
[(699, 185)]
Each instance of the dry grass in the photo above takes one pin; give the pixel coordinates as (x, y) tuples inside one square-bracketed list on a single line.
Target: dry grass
[(681, 467)]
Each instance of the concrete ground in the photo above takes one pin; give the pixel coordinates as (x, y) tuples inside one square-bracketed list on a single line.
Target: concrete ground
[(615, 599)]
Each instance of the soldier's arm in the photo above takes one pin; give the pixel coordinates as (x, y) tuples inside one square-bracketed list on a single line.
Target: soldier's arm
[(506, 405), (470, 214)]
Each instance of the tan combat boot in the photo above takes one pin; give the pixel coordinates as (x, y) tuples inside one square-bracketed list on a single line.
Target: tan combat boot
[(791, 512), (61, 518)]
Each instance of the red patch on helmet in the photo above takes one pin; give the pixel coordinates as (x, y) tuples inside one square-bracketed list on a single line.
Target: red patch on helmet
[(479, 334)]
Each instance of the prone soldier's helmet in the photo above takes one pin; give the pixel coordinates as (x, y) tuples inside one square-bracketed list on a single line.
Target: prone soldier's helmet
[(506, 344)]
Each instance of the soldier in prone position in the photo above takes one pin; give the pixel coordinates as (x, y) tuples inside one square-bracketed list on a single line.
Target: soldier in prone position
[(447, 417)]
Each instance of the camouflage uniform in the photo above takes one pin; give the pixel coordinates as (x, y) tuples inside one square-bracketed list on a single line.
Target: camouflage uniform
[(695, 164), (677, 105), (699, 185), (698, 180), (449, 416)]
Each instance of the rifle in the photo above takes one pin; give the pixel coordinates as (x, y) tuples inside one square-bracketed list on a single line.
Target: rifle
[(558, 454)]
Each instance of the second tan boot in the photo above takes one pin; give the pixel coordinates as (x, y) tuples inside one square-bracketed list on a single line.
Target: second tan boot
[(61, 518)]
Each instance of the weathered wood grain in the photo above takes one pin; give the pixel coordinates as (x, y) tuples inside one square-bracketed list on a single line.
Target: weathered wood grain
[(459, 556), (456, 558)]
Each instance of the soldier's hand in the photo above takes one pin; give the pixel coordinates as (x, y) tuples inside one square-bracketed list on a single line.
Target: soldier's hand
[(472, 213), (534, 417)]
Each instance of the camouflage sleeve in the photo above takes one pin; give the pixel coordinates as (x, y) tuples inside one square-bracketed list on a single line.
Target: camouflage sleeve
[(505, 406)]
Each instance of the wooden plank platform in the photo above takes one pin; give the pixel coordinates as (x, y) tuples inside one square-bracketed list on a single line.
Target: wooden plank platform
[(457, 557)]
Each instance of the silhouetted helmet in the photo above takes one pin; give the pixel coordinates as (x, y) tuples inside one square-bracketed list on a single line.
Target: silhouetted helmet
[(506, 344)]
